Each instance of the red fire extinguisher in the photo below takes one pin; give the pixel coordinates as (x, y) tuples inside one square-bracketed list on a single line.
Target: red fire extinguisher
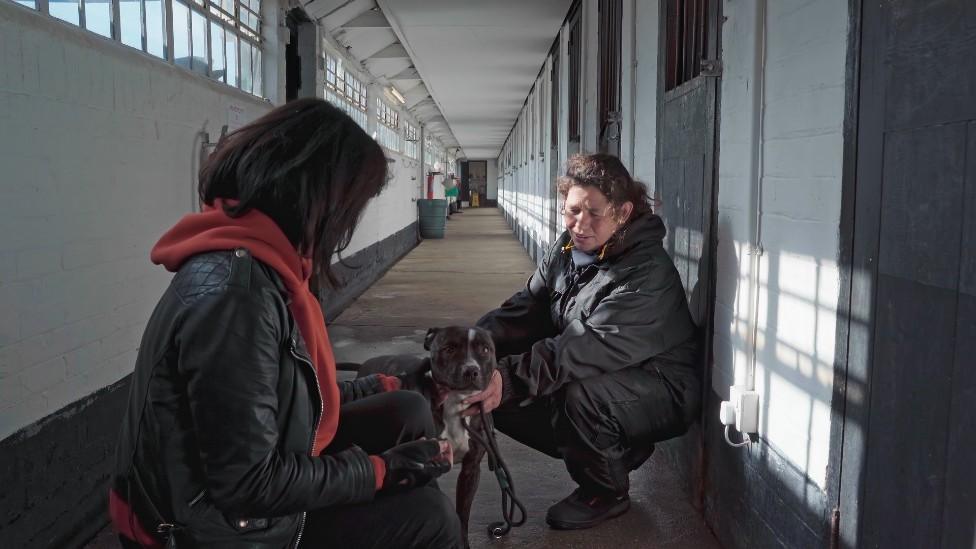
[(430, 184)]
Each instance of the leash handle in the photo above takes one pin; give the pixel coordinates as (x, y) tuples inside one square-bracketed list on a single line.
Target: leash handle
[(510, 502)]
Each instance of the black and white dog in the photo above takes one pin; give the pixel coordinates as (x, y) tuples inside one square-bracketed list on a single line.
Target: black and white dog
[(461, 363)]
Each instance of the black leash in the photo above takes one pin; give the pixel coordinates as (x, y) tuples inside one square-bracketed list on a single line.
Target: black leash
[(510, 502)]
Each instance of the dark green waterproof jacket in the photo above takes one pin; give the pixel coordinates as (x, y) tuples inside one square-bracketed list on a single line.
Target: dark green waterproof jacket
[(626, 310)]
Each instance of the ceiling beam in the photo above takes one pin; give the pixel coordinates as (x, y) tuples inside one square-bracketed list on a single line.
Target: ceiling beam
[(367, 19), (409, 73), (316, 9), (393, 51)]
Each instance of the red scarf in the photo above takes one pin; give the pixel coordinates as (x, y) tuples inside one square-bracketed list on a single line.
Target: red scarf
[(213, 230)]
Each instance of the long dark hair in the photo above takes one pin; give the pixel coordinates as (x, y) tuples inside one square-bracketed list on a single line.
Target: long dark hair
[(306, 165), (608, 174)]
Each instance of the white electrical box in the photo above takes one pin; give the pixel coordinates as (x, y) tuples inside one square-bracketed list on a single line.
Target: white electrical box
[(747, 412)]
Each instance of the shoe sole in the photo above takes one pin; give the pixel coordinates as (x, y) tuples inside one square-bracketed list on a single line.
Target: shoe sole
[(614, 513)]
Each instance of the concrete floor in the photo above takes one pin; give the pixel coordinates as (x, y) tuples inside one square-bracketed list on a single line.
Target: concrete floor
[(454, 281)]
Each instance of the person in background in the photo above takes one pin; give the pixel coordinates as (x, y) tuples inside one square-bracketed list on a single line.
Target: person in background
[(237, 433), (597, 354)]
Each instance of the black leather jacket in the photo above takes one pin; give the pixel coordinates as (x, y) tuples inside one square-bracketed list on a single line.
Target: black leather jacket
[(626, 310), (223, 405)]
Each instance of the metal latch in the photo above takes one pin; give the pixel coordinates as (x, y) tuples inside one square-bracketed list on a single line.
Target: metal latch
[(711, 67)]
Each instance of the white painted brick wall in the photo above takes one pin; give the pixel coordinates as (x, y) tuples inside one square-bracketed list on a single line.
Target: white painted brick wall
[(98, 149), (97, 155), (801, 169), (394, 209)]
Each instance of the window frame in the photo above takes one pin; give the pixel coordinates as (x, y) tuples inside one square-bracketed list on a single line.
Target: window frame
[(247, 34), (346, 90)]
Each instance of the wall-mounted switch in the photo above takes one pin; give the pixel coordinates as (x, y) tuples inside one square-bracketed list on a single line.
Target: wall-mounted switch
[(726, 413)]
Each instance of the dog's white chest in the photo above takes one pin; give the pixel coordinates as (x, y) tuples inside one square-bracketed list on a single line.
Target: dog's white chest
[(454, 430)]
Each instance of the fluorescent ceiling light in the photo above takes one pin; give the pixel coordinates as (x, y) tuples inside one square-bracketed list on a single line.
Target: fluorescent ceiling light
[(399, 97)]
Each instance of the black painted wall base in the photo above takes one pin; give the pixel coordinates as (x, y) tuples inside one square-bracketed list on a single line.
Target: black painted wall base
[(366, 267), (54, 473), (752, 494)]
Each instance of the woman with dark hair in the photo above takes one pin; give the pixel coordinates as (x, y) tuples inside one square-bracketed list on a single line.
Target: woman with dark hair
[(237, 433), (598, 350)]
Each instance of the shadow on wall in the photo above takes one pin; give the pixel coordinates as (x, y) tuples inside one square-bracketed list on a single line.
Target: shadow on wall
[(782, 491)]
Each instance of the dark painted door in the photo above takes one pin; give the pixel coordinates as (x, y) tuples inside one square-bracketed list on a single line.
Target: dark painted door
[(685, 182), (908, 476), (686, 159)]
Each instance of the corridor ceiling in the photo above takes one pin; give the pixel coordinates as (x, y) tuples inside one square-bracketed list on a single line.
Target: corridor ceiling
[(478, 58), (464, 66)]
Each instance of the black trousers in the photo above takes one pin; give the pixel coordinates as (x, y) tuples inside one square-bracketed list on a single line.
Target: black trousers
[(605, 426), (420, 518)]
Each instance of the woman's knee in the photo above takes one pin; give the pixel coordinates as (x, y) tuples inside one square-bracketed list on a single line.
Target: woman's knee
[(441, 528), (412, 410)]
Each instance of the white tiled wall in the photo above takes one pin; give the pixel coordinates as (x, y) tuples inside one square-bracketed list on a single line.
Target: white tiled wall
[(800, 140), (98, 147)]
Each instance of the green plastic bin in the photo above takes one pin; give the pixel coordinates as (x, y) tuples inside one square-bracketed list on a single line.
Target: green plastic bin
[(433, 214)]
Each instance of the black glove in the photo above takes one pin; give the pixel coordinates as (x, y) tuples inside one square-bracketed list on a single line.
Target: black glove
[(414, 464)]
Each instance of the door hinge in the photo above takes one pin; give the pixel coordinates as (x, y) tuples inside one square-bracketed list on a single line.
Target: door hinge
[(835, 529), (711, 67)]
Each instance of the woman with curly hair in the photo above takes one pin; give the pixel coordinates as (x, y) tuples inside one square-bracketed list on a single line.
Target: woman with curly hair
[(598, 351)]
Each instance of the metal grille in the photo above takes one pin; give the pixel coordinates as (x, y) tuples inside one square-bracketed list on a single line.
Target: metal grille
[(554, 89), (687, 40), (609, 37), (575, 55)]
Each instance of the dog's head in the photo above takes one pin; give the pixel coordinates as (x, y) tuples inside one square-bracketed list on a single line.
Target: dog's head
[(461, 358)]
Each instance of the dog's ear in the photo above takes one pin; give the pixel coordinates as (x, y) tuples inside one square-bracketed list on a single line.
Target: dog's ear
[(429, 338)]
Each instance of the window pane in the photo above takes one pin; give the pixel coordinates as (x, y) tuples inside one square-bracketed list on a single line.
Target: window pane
[(258, 70), (217, 50), (130, 19), (247, 83), (181, 34), (98, 17), (154, 28), (28, 3), (249, 19), (231, 49), (65, 10), (228, 6), (200, 60)]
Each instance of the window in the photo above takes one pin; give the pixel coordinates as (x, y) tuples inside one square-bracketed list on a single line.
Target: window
[(65, 10), (428, 149), (345, 91), (220, 39), (411, 137), (98, 17), (388, 124), (687, 40)]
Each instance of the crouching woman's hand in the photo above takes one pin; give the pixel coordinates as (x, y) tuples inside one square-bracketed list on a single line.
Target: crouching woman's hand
[(415, 463)]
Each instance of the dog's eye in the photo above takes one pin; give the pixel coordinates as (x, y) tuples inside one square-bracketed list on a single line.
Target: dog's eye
[(449, 350), (484, 350)]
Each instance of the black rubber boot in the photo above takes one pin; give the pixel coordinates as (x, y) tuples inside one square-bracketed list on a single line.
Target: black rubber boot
[(580, 510)]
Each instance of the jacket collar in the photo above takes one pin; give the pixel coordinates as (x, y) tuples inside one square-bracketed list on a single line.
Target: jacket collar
[(643, 231)]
